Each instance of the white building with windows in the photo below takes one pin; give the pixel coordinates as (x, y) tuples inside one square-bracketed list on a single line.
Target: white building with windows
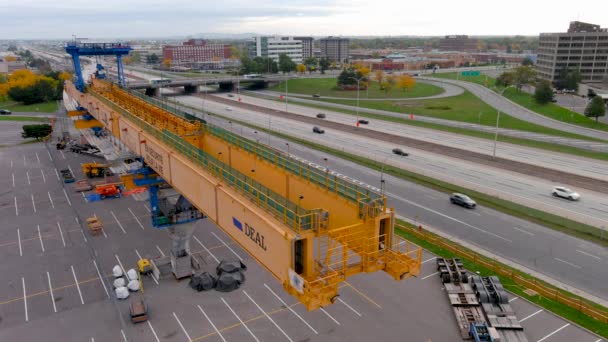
[(274, 46)]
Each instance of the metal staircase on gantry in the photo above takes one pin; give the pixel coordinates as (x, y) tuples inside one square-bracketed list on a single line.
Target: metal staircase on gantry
[(309, 227)]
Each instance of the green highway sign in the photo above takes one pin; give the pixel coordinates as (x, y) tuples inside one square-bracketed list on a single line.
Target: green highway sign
[(470, 73)]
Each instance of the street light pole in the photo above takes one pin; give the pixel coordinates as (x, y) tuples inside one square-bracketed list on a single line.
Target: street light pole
[(286, 92), (497, 120), (358, 88)]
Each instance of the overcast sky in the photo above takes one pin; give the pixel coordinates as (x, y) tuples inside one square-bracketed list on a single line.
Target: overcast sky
[(162, 18)]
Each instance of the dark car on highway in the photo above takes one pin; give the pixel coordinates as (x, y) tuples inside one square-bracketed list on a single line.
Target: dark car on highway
[(5, 112), (462, 200), (316, 95), (363, 122), (321, 116), (318, 130), (400, 152)]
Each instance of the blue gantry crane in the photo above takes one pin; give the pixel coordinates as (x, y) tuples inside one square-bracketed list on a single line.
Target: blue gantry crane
[(77, 48)]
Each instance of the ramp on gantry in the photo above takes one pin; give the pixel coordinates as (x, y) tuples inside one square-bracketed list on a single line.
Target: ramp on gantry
[(309, 228)]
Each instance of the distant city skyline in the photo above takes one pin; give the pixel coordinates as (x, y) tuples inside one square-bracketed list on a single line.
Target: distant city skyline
[(60, 19)]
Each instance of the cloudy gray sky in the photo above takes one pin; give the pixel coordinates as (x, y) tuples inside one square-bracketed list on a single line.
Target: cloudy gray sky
[(158, 18)]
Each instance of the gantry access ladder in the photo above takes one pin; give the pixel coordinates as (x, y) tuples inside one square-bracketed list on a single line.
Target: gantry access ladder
[(309, 228)]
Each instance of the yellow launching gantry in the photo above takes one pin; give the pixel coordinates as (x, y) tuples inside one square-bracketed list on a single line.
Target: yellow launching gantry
[(310, 228)]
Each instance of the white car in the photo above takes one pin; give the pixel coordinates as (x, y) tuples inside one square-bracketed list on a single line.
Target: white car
[(229, 109), (560, 191)]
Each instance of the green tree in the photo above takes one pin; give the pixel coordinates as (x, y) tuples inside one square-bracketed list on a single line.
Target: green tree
[(135, 57), (527, 61), (523, 75), (152, 59), (262, 65), (311, 63), (36, 131), (324, 64), (573, 78), (543, 93), (595, 108), (286, 64), (505, 79), (349, 77)]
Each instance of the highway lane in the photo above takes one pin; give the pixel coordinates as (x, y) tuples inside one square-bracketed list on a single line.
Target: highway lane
[(536, 247), (507, 106), (520, 188), (559, 161)]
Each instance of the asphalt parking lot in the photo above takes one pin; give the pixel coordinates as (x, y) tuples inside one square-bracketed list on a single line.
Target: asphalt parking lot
[(56, 283)]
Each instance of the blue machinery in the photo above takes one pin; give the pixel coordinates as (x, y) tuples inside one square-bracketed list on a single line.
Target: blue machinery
[(164, 213), (77, 49)]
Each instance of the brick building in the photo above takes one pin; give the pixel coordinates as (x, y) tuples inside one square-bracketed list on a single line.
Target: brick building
[(197, 53)]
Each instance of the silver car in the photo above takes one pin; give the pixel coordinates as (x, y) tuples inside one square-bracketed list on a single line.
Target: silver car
[(560, 191)]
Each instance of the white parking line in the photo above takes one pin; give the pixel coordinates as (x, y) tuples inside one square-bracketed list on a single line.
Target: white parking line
[(600, 340), (523, 231), (124, 337), (590, 255), (269, 318), (37, 157), (16, 208), (19, 239), (24, 299), (568, 263), (430, 275), (182, 326), (153, 331), (67, 198), (63, 155), (48, 276), (240, 320), (70, 168), (57, 174), (24, 162), (208, 251), (77, 285), (213, 325), (43, 177), (51, 200), (136, 219), (27, 173), (13, 180), (120, 263), (330, 316), (430, 259), (84, 197), (225, 244), (554, 332), (119, 224), (33, 203), (350, 307), (49, 153), (290, 309), (531, 315), (40, 236), (160, 250), (101, 279), (513, 299), (147, 208)]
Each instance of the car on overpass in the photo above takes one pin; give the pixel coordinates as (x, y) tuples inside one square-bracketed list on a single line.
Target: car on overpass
[(400, 152), (462, 200), (318, 130), (563, 192)]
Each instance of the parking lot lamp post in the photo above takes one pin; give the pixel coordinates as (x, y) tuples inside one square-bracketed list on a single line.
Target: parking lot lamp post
[(497, 121)]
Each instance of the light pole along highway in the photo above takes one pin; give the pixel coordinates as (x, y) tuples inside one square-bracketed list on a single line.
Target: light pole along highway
[(497, 121), (358, 88)]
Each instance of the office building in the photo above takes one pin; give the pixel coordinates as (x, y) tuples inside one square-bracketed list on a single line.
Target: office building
[(197, 53), (584, 47), (335, 48), (274, 46), (458, 43), (307, 43)]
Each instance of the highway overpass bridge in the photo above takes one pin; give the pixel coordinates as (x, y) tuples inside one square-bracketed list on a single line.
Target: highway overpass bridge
[(192, 85)]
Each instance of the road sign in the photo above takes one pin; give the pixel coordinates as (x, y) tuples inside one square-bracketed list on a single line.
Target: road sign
[(470, 73)]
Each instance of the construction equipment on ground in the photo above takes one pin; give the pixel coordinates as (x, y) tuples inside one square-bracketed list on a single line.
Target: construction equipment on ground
[(95, 225), (107, 190), (311, 228), (138, 310), (93, 170), (144, 266), (480, 304)]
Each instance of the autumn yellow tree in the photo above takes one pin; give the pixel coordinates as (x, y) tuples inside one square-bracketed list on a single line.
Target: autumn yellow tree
[(301, 68), (66, 76), (379, 76), (127, 60), (167, 63), (405, 82), (10, 58), (388, 84)]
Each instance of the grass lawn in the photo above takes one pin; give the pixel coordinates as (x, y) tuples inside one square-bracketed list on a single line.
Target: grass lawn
[(465, 108), (46, 107), (327, 87), (23, 118), (526, 100)]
